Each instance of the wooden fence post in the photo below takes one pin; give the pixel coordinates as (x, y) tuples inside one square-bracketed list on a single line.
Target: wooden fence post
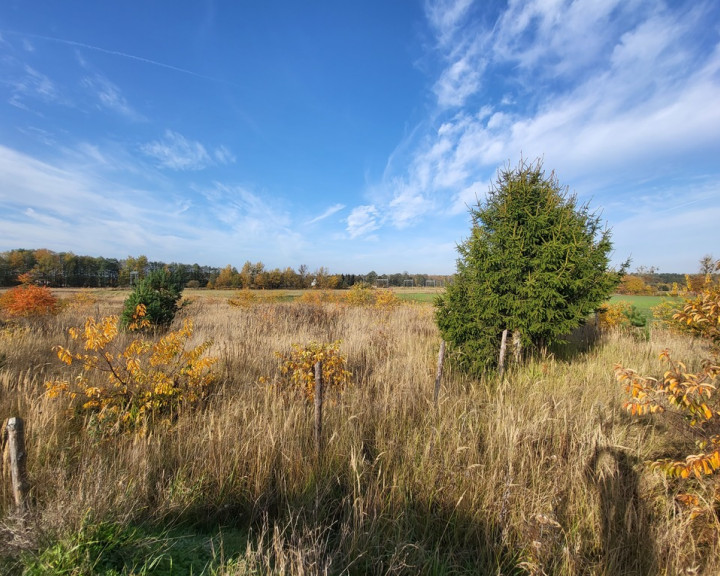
[(439, 373), (503, 346), (318, 408), (18, 461), (517, 347)]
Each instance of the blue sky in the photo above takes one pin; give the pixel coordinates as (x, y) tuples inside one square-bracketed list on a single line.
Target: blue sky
[(351, 135)]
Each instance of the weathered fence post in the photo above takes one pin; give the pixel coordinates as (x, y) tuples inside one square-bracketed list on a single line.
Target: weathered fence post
[(503, 346), (18, 461), (318, 408), (517, 347), (439, 373)]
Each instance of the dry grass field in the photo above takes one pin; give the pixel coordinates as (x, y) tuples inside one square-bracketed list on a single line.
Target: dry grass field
[(540, 473)]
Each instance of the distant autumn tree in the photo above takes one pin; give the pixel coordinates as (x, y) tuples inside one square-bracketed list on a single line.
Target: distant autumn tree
[(632, 284), (324, 280), (708, 265), (227, 278)]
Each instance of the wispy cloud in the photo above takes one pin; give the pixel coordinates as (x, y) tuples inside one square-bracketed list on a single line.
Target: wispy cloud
[(446, 18), (54, 206), (362, 221), (597, 89), (80, 207), (460, 80), (243, 210), (176, 152), (33, 85), (249, 223), (109, 96), (334, 209), (408, 205), (563, 36), (223, 156)]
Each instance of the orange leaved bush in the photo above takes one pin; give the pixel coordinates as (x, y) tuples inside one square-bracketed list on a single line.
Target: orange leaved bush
[(28, 300)]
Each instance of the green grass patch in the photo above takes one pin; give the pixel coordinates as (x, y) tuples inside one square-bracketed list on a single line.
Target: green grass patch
[(644, 304), (423, 297), (110, 549)]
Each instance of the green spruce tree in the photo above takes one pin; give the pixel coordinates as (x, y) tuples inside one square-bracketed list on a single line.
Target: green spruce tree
[(536, 264), (159, 292)]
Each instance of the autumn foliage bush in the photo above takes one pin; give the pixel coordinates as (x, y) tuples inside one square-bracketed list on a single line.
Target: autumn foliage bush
[(297, 368), (620, 315), (362, 294), (687, 399), (318, 297), (243, 299), (128, 387), (28, 300)]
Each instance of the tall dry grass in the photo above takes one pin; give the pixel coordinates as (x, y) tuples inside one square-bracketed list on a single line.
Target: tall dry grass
[(540, 473)]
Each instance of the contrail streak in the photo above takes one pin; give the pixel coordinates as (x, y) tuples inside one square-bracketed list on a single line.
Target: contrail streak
[(116, 53)]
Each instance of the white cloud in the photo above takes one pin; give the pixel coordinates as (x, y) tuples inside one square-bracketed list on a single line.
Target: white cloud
[(176, 152), (223, 156), (110, 96), (245, 211), (446, 17), (459, 81), (362, 221), (80, 207), (74, 208), (615, 96), (334, 209), (408, 206), (34, 85), (643, 98), (468, 197), (559, 37), (43, 218)]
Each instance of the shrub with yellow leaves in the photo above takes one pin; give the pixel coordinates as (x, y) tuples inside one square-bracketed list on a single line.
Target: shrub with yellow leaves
[(243, 299), (612, 316), (663, 313), (297, 368), (620, 315), (131, 387), (689, 398), (701, 315), (318, 297), (362, 294), (386, 299)]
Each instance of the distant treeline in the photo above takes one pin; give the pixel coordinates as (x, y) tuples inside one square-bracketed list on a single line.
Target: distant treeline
[(65, 269)]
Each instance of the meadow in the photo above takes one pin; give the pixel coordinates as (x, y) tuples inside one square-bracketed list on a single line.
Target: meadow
[(644, 304), (540, 472)]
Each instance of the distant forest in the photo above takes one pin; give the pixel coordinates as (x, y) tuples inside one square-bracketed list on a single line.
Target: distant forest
[(65, 269)]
